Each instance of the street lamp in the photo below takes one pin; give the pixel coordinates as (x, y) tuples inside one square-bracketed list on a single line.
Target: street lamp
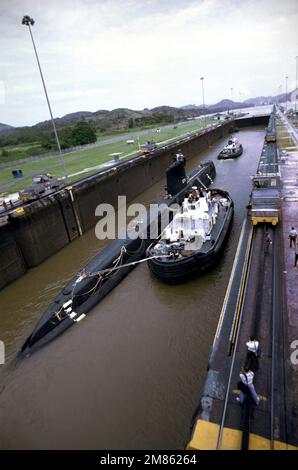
[(203, 95), (230, 112), (286, 77), (28, 21)]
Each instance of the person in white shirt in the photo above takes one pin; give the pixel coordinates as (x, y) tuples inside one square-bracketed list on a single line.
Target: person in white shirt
[(253, 345), (293, 236), (253, 353), (246, 386)]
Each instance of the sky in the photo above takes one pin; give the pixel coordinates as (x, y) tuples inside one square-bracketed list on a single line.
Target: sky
[(107, 54)]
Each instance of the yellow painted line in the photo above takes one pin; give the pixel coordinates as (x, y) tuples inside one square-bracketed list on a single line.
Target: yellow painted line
[(243, 283), (237, 392), (205, 437), (224, 306)]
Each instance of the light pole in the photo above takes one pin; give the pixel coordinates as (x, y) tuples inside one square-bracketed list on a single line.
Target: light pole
[(232, 96), (286, 77), (28, 21), (203, 95), (278, 96)]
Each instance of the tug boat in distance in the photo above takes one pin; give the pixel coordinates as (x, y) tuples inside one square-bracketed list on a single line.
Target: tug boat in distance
[(233, 149), (192, 242)]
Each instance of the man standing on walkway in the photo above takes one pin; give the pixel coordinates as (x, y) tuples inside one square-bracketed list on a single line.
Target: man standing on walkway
[(253, 354), (293, 236), (246, 386)]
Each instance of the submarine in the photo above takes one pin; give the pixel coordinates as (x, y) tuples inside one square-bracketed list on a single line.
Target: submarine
[(107, 269)]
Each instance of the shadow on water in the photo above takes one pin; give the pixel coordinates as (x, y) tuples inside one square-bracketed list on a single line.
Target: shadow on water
[(129, 376)]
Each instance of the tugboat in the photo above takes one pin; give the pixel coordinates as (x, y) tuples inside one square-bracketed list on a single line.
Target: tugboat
[(233, 149), (192, 242)]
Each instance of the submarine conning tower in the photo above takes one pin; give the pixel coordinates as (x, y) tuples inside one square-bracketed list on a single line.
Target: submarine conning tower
[(176, 178)]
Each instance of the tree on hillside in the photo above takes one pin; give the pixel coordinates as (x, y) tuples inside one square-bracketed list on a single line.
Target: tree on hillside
[(66, 138), (83, 133), (48, 142), (4, 153), (155, 118)]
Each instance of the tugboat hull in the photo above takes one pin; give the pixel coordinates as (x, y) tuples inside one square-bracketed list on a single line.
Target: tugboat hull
[(226, 156)]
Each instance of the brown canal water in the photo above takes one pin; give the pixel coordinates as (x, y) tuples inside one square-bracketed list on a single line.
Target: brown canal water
[(129, 376)]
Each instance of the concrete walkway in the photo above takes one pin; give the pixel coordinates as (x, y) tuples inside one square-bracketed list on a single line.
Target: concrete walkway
[(289, 174)]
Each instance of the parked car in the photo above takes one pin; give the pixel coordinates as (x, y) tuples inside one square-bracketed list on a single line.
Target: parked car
[(148, 147), (41, 185)]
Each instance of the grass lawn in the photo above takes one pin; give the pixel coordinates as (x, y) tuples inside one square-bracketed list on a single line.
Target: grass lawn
[(92, 156), (18, 152)]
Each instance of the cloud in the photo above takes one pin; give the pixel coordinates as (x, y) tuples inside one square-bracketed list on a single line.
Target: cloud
[(138, 54)]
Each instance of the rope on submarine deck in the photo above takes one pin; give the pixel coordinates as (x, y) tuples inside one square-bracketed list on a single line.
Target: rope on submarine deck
[(103, 274)]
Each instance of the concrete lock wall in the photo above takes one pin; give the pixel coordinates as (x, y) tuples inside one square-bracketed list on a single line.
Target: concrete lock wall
[(47, 225), (40, 232), (12, 263)]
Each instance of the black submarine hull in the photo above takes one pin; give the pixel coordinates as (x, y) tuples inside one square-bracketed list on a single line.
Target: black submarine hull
[(91, 284), (48, 328)]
